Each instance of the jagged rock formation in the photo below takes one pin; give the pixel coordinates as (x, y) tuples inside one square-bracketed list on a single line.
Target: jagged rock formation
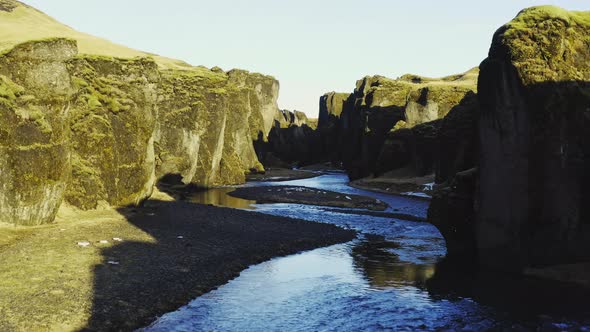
[(293, 140), (86, 129), (528, 203), (535, 111), (388, 124)]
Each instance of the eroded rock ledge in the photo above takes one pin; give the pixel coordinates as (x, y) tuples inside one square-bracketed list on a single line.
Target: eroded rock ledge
[(87, 129)]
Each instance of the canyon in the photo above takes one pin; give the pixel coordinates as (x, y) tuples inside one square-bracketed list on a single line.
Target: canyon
[(99, 139)]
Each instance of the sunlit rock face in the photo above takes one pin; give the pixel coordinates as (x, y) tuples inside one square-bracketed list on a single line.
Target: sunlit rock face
[(96, 130), (35, 90), (388, 124), (112, 121), (534, 92), (207, 122)]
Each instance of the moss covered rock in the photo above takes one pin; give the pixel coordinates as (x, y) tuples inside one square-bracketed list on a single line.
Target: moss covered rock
[(382, 106), (534, 92), (208, 121), (112, 122), (35, 89)]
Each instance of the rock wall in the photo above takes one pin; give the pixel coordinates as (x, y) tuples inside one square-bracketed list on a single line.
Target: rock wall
[(534, 153), (87, 129), (112, 120), (292, 141), (526, 203), (388, 124), (330, 123), (208, 121), (35, 90)]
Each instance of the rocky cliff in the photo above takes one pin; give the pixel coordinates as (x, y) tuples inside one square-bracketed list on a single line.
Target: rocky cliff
[(35, 94), (331, 123), (388, 124), (527, 202), (208, 121), (95, 130), (292, 141), (534, 152)]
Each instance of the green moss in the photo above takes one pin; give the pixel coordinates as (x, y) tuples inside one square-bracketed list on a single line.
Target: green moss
[(9, 91), (545, 44), (538, 15)]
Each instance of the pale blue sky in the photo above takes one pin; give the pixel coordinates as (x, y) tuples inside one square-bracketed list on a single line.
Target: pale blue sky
[(311, 46)]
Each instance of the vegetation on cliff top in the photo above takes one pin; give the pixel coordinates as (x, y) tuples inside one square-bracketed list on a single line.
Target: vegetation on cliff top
[(23, 23), (547, 44)]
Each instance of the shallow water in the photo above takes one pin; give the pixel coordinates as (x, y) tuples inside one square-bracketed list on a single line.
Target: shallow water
[(389, 279)]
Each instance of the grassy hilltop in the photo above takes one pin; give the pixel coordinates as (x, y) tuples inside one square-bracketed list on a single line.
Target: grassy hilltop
[(20, 23)]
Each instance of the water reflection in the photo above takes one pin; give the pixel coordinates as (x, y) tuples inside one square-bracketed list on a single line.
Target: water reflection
[(386, 280), (381, 266), (220, 197)]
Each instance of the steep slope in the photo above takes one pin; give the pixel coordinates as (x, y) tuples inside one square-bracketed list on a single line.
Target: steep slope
[(20, 23)]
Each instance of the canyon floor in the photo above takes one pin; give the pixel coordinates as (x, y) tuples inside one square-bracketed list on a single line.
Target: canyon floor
[(108, 269)]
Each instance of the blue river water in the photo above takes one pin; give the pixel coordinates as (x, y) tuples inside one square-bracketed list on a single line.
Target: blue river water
[(391, 278)]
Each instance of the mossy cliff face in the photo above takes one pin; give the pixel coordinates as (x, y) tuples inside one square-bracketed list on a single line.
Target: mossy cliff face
[(381, 106), (534, 93), (91, 129), (112, 122), (35, 90), (207, 122)]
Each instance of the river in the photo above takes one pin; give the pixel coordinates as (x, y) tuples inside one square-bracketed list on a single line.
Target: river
[(390, 278)]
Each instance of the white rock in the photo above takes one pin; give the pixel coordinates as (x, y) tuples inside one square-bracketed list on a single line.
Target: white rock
[(104, 241), (83, 243), (180, 237), (118, 239), (113, 262), (348, 198)]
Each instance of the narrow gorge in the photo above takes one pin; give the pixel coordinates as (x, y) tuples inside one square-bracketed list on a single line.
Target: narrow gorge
[(139, 191)]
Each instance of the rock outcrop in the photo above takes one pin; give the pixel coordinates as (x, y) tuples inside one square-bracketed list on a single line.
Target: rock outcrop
[(330, 123), (535, 145), (527, 203), (92, 123), (88, 129), (112, 120), (208, 121), (388, 124), (293, 141), (35, 90)]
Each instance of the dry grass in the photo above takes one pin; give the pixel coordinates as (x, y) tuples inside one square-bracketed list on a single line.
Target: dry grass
[(25, 23)]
